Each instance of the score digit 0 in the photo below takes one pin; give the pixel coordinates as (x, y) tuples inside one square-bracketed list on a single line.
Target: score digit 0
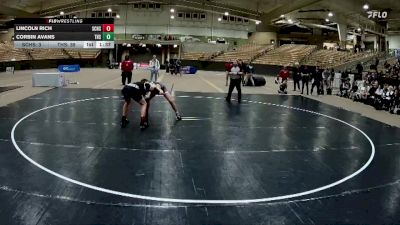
[(108, 27), (107, 36)]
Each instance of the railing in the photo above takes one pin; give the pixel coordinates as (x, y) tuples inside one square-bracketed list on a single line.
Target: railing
[(67, 53)]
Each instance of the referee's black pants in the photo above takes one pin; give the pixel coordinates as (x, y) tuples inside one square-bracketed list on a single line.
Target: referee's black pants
[(126, 75), (316, 84), (235, 83), (304, 82)]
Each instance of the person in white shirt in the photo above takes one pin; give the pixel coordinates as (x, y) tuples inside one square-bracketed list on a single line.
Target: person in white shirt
[(235, 75), (154, 66)]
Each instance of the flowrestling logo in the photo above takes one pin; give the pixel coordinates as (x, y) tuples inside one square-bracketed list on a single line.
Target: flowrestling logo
[(373, 14)]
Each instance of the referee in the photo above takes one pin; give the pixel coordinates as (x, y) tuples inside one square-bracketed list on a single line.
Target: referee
[(235, 75), (126, 67)]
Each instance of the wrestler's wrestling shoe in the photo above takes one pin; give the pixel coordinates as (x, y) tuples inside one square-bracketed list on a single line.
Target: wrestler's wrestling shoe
[(144, 125), (178, 116), (124, 122)]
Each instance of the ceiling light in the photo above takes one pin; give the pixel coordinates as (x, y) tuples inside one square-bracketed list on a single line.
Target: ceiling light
[(62, 13), (282, 16), (109, 10), (226, 13), (175, 46), (258, 22), (118, 16), (359, 29), (128, 45), (326, 20), (330, 14), (75, 17), (172, 17), (158, 45), (172, 10), (366, 6), (219, 19)]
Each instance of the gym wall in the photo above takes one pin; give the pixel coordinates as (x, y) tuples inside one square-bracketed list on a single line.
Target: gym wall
[(394, 41), (134, 21), (263, 38)]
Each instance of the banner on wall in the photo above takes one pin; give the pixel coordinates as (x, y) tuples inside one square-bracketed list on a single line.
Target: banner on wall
[(138, 37), (153, 37)]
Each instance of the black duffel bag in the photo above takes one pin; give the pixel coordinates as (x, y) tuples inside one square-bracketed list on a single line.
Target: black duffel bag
[(258, 81)]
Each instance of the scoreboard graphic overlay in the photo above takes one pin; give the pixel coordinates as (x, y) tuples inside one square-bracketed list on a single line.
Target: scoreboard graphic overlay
[(64, 33)]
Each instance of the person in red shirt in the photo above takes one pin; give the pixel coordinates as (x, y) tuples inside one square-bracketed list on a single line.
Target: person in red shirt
[(126, 67), (284, 75)]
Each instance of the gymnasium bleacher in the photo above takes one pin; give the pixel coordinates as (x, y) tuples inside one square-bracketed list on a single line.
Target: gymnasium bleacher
[(9, 53), (39, 54), (192, 55), (258, 54), (332, 58), (205, 56), (246, 52), (83, 54), (285, 55)]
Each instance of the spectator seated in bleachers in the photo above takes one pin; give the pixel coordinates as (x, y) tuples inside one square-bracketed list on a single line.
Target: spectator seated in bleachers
[(354, 89), (360, 94), (378, 98), (378, 88), (370, 97), (345, 87), (387, 97), (395, 106)]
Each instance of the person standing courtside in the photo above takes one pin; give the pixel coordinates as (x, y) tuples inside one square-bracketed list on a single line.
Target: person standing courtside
[(175, 64), (296, 76), (325, 78), (126, 67), (154, 65), (305, 78), (242, 67), (316, 80), (236, 80), (228, 67), (248, 77)]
